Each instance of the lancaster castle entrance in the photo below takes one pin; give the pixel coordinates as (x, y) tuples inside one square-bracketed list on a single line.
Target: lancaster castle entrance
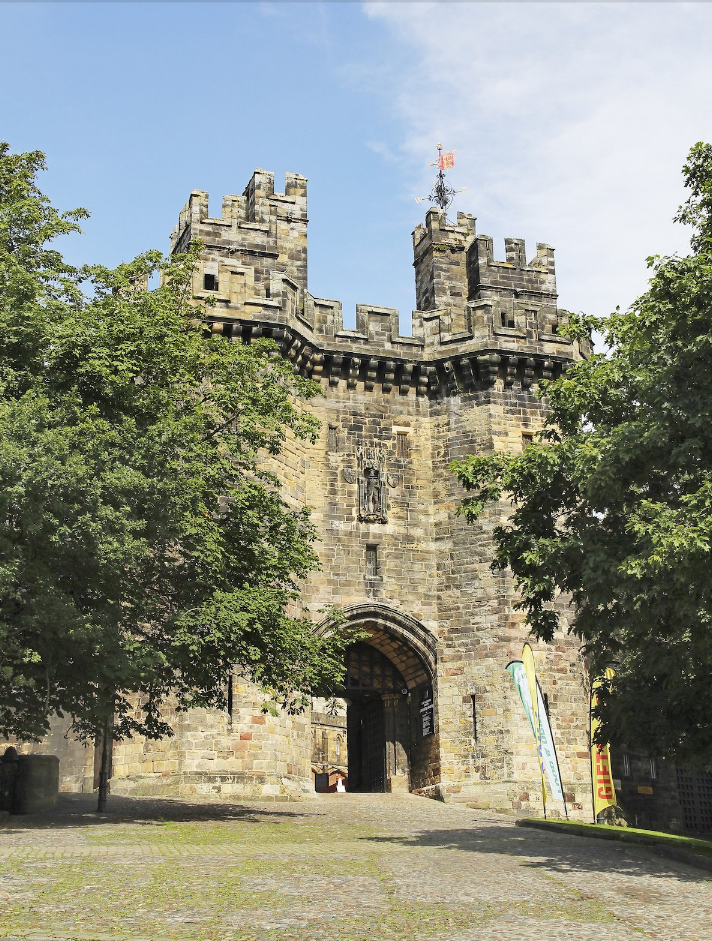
[(381, 734)]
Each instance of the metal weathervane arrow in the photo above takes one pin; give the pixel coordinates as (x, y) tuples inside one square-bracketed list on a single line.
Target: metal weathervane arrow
[(442, 194)]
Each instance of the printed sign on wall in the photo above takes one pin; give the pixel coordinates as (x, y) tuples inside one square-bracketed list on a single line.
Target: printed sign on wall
[(427, 712)]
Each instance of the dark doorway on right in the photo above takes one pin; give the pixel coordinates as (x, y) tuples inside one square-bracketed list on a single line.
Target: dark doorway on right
[(366, 744), (377, 722)]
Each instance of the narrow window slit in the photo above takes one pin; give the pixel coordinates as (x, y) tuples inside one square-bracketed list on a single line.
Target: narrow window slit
[(371, 561)]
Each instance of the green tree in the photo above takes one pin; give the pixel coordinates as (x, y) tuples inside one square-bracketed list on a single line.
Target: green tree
[(612, 505), (144, 546)]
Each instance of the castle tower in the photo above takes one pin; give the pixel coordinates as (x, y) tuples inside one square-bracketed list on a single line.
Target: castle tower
[(260, 238), (429, 705), (440, 253)]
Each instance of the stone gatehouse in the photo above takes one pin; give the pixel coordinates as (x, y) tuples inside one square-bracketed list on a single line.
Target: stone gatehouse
[(428, 705)]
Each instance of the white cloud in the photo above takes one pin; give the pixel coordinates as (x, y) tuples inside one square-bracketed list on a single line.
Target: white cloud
[(383, 149), (571, 124)]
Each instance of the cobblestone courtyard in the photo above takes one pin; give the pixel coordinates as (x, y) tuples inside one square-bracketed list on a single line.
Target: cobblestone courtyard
[(346, 867)]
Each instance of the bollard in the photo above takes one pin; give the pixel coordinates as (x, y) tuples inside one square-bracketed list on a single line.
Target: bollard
[(8, 774)]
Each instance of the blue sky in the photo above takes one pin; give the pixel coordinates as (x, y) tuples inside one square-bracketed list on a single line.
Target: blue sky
[(571, 123)]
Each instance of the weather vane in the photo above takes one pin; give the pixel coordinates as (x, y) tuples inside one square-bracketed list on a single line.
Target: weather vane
[(442, 194)]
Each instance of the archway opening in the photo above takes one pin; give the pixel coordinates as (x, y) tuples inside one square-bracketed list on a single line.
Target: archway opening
[(381, 735)]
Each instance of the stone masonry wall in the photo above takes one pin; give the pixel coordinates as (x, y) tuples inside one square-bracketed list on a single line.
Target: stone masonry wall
[(246, 754), (480, 633), (76, 761)]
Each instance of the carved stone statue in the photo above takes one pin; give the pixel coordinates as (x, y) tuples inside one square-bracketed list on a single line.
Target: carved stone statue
[(372, 488)]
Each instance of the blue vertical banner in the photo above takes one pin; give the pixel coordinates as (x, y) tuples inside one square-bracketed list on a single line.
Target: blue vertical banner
[(530, 671), (545, 740)]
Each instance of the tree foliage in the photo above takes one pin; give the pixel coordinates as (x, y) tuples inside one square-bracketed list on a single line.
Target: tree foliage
[(612, 504), (144, 546)]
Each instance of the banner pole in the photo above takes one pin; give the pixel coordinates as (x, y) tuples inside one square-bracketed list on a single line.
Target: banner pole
[(590, 751)]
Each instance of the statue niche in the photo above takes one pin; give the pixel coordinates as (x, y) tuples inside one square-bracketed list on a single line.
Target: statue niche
[(372, 485)]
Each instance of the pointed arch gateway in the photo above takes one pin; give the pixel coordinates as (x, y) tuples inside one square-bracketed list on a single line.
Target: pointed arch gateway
[(389, 689)]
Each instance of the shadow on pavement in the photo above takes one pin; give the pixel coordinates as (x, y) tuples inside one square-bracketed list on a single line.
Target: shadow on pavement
[(79, 810), (551, 852)]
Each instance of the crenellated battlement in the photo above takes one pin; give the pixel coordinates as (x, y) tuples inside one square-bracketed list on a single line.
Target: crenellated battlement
[(440, 262), (514, 274), (258, 205), (477, 320), (258, 235)]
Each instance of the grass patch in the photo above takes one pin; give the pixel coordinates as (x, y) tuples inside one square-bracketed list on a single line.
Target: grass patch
[(245, 831), (690, 843)]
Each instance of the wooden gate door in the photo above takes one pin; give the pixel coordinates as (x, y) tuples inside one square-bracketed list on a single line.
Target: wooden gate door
[(373, 746), (695, 795)]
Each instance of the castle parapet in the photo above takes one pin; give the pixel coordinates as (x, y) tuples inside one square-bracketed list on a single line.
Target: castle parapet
[(477, 320), (514, 298), (261, 230), (515, 274), (440, 262)]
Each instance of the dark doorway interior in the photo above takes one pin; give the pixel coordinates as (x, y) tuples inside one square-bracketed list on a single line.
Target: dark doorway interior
[(366, 744), (374, 690)]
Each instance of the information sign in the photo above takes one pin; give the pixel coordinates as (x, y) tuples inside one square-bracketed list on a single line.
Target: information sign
[(427, 711)]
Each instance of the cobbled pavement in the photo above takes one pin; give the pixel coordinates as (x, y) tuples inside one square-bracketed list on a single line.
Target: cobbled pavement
[(344, 867)]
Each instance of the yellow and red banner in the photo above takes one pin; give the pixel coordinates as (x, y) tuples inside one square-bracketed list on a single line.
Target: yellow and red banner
[(604, 793), (446, 161), (529, 669)]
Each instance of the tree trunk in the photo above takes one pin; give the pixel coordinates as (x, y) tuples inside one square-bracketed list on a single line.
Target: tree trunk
[(104, 771)]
